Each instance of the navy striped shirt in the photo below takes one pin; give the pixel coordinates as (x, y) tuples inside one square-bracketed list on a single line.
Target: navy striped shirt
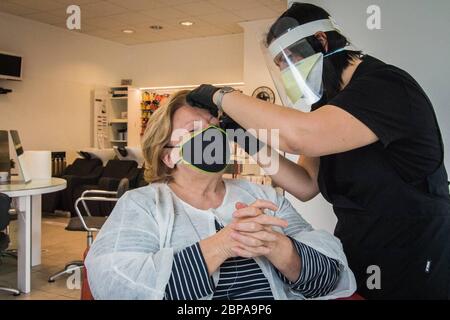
[(242, 278)]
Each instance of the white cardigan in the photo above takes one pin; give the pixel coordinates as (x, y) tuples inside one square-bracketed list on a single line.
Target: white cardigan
[(132, 256)]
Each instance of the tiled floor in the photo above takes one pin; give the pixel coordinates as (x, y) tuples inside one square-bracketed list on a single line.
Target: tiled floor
[(58, 247)]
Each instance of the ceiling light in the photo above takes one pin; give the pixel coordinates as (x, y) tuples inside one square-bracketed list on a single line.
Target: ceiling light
[(186, 23), (128, 31), (156, 27)]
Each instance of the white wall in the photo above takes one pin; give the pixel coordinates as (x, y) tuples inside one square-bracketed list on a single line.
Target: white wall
[(51, 107), (414, 36), (188, 62), (256, 73)]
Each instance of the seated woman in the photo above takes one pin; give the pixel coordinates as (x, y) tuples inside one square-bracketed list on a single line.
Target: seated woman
[(192, 235)]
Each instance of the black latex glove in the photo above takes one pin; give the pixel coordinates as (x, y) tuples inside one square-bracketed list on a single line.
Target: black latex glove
[(246, 140), (202, 97), (227, 123)]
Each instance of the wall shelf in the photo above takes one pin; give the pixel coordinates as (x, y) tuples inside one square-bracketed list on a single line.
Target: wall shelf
[(118, 121), (116, 116)]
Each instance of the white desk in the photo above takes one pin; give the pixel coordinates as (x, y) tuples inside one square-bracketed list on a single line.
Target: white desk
[(29, 223)]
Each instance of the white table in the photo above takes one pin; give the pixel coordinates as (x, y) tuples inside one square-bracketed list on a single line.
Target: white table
[(29, 223)]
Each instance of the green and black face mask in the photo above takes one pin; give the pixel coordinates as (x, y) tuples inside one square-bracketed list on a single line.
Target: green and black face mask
[(207, 150)]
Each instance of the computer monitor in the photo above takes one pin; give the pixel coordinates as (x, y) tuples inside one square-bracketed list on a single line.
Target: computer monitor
[(18, 148)]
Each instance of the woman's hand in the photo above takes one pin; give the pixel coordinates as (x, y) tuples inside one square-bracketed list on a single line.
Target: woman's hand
[(218, 248), (253, 229), (250, 235), (227, 243), (253, 232)]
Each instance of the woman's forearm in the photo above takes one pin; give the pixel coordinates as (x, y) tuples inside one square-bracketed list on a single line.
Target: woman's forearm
[(290, 176), (286, 259), (212, 253), (327, 130), (190, 279), (256, 114), (319, 275)]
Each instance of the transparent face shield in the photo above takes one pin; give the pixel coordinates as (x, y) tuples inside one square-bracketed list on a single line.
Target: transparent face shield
[(296, 68)]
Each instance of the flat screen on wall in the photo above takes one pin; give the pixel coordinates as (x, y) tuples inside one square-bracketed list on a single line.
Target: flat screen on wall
[(10, 66)]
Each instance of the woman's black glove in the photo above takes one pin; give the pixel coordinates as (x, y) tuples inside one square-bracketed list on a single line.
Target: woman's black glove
[(202, 97), (236, 133)]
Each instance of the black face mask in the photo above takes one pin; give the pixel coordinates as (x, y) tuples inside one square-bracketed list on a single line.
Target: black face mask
[(207, 150)]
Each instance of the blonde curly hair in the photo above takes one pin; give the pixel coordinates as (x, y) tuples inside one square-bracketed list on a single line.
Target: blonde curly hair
[(158, 135)]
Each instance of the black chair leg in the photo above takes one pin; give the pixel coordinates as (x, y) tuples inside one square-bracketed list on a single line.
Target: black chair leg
[(9, 253)]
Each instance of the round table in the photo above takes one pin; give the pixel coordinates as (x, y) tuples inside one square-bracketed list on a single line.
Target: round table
[(29, 197)]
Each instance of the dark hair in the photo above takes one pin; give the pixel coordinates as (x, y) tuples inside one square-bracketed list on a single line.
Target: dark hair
[(334, 65)]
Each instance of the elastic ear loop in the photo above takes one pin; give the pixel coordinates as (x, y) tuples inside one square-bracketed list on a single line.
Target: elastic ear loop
[(336, 51)]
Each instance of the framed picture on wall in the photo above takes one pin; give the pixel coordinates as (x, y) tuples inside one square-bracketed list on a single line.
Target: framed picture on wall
[(264, 93)]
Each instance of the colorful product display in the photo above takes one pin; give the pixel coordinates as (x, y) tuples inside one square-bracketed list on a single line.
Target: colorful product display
[(150, 103)]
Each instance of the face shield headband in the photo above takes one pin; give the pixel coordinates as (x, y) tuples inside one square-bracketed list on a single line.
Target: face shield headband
[(295, 67)]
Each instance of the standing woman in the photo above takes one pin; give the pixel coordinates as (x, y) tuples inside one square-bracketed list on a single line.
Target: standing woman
[(371, 145)]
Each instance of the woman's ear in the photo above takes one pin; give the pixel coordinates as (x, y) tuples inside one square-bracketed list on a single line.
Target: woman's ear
[(322, 37), (170, 157)]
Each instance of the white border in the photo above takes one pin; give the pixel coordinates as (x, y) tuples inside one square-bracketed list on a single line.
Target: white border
[(298, 33)]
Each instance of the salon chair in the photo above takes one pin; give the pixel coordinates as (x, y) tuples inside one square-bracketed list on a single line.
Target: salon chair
[(112, 174), (87, 222)]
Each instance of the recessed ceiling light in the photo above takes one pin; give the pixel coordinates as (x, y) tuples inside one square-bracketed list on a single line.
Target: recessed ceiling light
[(128, 31), (156, 27), (186, 23)]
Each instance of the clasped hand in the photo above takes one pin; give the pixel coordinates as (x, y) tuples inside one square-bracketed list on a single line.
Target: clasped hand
[(250, 233)]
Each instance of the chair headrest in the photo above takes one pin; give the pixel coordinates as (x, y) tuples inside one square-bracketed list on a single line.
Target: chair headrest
[(84, 155), (130, 153), (118, 168), (83, 166), (123, 187), (103, 154), (122, 151)]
